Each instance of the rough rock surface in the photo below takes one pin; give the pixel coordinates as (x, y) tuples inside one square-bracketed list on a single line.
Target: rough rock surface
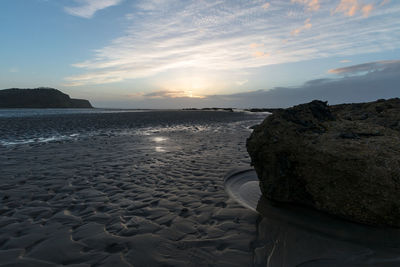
[(39, 98), (342, 159)]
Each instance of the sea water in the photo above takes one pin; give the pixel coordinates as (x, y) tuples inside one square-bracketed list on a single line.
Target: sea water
[(30, 126)]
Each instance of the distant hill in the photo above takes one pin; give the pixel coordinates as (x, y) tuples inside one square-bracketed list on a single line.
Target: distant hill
[(39, 98)]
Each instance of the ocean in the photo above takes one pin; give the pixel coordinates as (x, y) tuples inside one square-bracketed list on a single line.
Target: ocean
[(26, 126)]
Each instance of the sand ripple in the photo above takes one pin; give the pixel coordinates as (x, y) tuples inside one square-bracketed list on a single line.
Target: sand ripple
[(117, 200)]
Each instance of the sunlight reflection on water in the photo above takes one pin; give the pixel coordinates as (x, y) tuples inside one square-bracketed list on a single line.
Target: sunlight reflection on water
[(160, 149), (159, 139)]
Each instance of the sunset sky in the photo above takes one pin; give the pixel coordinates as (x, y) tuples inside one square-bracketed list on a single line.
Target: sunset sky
[(181, 53)]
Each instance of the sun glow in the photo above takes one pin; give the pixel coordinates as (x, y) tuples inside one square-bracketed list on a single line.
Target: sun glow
[(192, 86), (192, 94)]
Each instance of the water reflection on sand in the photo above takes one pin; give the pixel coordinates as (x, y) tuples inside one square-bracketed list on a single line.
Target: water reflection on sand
[(297, 236)]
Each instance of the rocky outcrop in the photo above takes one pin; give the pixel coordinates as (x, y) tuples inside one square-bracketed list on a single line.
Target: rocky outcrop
[(39, 98), (342, 159)]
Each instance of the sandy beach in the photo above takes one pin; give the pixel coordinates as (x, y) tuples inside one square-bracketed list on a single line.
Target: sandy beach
[(131, 189)]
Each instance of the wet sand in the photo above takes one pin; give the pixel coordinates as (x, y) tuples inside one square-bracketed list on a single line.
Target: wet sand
[(289, 235), (119, 196)]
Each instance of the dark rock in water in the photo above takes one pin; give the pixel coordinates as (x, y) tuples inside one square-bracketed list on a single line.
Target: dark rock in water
[(39, 98), (342, 159)]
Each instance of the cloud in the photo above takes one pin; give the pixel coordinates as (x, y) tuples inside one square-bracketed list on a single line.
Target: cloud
[(347, 7), (261, 54), (87, 8), (307, 25), (345, 61), (382, 83), (369, 87), (214, 36), (240, 83), (366, 10), (258, 53), (366, 67), (351, 7), (311, 5), (166, 94), (255, 45), (266, 5)]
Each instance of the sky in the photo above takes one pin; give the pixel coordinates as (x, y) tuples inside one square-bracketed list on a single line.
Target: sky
[(202, 53)]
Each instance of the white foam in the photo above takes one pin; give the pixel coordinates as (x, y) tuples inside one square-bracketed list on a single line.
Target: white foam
[(38, 140)]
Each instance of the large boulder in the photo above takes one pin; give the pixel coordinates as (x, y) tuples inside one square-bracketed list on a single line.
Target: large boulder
[(342, 159)]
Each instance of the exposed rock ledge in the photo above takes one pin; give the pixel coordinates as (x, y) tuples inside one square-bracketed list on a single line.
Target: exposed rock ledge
[(342, 159), (39, 98)]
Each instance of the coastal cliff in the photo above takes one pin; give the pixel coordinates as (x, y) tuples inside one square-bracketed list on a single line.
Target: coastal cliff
[(341, 159), (39, 98)]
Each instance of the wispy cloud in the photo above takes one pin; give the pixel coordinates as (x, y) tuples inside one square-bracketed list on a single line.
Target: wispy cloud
[(311, 5), (261, 54), (347, 7), (366, 67), (351, 7), (266, 5), (87, 8), (307, 25), (231, 35), (240, 83), (165, 94), (171, 94), (366, 10), (255, 45)]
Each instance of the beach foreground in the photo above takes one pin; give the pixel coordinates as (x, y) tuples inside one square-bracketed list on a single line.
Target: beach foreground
[(294, 235), (131, 189)]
